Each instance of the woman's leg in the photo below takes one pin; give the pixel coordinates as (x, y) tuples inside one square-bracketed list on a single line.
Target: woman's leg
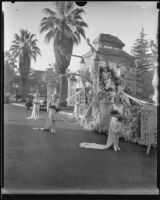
[(35, 117), (38, 110), (32, 114), (53, 126), (110, 139), (117, 142), (47, 124)]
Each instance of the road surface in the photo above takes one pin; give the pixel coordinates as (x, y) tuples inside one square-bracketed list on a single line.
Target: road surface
[(39, 162)]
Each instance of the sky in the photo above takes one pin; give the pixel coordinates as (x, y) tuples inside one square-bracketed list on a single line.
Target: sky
[(122, 19)]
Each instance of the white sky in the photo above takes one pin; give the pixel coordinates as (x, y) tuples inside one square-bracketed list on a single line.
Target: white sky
[(122, 19)]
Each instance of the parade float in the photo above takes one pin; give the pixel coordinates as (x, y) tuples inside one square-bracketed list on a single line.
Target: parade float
[(94, 101)]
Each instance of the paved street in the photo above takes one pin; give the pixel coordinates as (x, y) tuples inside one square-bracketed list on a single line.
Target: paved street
[(36, 161)]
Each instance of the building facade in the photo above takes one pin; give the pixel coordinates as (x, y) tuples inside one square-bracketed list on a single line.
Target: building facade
[(110, 51), (72, 84)]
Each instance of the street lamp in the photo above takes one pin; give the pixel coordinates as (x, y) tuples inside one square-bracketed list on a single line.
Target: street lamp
[(16, 86), (82, 62)]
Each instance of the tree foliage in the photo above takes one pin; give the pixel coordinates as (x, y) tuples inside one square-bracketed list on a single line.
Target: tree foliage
[(9, 70), (144, 56), (24, 47), (51, 75), (140, 50), (65, 26), (154, 54)]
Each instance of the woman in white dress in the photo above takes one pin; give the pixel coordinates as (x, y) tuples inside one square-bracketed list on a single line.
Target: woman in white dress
[(76, 108), (115, 129), (35, 109), (115, 125)]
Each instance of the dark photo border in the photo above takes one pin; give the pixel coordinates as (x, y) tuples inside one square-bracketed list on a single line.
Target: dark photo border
[(66, 196)]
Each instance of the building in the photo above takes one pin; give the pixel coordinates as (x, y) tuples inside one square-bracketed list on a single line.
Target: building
[(72, 82), (110, 50)]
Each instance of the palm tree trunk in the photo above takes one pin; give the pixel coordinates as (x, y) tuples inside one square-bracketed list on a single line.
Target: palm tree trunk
[(57, 88), (25, 90), (63, 91)]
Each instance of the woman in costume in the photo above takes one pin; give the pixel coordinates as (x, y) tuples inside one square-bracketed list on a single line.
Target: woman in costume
[(76, 108), (115, 129), (51, 119), (36, 107)]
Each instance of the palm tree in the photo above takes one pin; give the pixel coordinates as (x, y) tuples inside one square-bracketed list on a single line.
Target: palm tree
[(9, 70), (9, 60), (24, 48), (65, 26)]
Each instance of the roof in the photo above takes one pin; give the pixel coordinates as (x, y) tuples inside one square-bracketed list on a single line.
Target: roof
[(112, 52), (108, 38)]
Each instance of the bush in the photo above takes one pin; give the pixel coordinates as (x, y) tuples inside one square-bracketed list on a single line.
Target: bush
[(18, 96)]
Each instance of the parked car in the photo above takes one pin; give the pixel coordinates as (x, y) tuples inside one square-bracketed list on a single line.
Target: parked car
[(19, 98), (43, 103), (12, 99), (6, 99), (29, 101)]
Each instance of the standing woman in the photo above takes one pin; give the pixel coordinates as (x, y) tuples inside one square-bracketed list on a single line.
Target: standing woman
[(116, 124), (38, 105), (52, 114), (51, 119), (76, 108), (35, 108)]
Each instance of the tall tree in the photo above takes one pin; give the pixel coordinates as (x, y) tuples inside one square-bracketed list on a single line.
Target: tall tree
[(9, 70), (154, 54), (24, 47), (65, 26), (140, 50)]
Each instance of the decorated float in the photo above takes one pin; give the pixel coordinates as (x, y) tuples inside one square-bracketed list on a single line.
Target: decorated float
[(95, 100)]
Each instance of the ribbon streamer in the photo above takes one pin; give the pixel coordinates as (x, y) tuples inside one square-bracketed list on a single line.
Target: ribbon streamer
[(143, 103)]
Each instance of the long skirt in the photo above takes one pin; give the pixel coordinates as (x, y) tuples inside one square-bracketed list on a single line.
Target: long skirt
[(114, 131), (50, 121), (35, 111)]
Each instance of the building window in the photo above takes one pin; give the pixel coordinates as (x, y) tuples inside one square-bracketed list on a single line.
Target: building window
[(107, 46), (116, 48)]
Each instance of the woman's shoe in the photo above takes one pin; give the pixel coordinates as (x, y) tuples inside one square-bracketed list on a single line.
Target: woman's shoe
[(115, 148), (53, 131), (118, 148)]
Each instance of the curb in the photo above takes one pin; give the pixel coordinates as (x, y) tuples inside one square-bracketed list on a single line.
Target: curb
[(61, 112), (19, 104), (65, 113)]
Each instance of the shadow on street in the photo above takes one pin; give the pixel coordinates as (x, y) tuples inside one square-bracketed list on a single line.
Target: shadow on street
[(36, 161)]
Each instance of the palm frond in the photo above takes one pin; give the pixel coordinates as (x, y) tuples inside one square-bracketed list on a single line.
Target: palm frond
[(48, 23), (32, 36), (69, 6), (77, 23), (50, 35), (76, 38), (81, 32), (77, 11), (60, 6), (49, 12), (17, 38)]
